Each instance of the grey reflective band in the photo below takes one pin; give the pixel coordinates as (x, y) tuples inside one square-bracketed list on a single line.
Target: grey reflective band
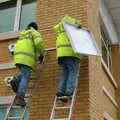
[(68, 45), (28, 54), (60, 32)]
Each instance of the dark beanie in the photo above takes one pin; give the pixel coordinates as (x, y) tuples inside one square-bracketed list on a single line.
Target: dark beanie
[(33, 25)]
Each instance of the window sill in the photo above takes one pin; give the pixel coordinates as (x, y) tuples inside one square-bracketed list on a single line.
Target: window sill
[(107, 116), (9, 35), (112, 80), (7, 66)]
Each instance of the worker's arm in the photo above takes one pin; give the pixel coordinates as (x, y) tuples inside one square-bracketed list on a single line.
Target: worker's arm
[(39, 44)]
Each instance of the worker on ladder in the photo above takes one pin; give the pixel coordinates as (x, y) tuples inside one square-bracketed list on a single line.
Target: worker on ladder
[(28, 45), (67, 59)]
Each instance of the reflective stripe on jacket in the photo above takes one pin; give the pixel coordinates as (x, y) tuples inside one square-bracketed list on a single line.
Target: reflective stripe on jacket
[(27, 46), (63, 45)]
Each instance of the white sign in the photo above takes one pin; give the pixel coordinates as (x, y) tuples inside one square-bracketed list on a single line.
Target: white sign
[(11, 47), (81, 40)]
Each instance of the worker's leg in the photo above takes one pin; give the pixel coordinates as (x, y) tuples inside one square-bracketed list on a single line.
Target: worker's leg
[(25, 74), (63, 77), (73, 68)]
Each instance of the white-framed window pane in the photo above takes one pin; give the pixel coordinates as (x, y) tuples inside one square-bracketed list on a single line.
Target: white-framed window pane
[(106, 49), (28, 13), (7, 15)]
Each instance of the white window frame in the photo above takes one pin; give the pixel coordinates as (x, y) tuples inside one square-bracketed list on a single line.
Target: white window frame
[(109, 58), (17, 16)]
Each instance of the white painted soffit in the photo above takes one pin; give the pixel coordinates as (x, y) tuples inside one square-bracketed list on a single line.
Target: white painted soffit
[(107, 20)]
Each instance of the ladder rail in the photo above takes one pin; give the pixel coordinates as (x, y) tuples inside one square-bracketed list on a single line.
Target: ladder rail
[(31, 92), (53, 112), (34, 86), (9, 108), (68, 107)]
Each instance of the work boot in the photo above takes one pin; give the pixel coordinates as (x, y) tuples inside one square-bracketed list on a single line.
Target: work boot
[(69, 95), (59, 94), (14, 84), (19, 101), (62, 97)]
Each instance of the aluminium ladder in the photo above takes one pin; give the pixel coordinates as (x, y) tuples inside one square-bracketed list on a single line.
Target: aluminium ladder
[(29, 97), (68, 107)]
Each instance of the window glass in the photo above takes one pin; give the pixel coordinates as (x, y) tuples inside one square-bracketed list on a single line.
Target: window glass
[(28, 13), (14, 113), (2, 113), (7, 15)]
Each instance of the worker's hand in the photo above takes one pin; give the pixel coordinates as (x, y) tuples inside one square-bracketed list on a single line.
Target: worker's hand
[(40, 58)]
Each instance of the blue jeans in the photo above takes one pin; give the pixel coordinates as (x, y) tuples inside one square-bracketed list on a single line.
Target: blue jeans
[(23, 80), (70, 68)]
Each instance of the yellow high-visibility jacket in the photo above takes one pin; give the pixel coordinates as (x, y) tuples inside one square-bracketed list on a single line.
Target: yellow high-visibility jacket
[(28, 45), (63, 45)]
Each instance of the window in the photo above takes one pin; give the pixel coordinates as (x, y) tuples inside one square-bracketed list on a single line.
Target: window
[(106, 49), (16, 14), (13, 113), (7, 16)]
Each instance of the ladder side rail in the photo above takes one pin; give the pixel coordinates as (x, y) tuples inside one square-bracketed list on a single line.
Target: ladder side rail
[(32, 90), (9, 108), (34, 86), (53, 109), (37, 81)]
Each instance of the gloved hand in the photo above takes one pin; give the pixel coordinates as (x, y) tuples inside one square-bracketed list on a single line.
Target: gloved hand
[(40, 58)]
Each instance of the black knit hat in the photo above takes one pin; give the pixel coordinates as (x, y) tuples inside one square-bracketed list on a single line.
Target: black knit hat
[(33, 25)]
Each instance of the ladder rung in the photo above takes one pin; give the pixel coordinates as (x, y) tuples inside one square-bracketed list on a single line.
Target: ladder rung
[(60, 119), (66, 107), (33, 78), (27, 95), (63, 97), (13, 118), (16, 107)]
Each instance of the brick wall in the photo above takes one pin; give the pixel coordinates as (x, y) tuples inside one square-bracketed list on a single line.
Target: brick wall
[(5, 57), (116, 72)]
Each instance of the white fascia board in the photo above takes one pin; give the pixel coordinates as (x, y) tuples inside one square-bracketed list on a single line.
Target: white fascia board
[(107, 20)]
